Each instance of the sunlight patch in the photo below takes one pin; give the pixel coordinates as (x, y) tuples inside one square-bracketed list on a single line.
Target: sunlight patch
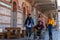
[(58, 2)]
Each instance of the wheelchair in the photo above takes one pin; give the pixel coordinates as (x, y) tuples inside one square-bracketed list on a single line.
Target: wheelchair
[(39, 33)]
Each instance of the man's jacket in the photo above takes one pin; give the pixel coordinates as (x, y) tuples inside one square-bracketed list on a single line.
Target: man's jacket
[(31, 23)]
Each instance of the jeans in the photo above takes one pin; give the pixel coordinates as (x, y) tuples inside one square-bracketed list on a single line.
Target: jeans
[(50, 31), (28, 31)]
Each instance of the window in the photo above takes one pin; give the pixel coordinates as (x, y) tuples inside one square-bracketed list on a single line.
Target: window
[(14, 7), (5, 4)]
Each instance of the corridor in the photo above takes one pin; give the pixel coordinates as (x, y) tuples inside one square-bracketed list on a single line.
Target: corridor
[(13, 14)]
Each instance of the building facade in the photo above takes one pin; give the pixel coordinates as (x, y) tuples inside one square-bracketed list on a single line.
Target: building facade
[(14, 12)]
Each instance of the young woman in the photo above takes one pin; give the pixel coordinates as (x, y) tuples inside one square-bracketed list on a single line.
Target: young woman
[(50, 25)]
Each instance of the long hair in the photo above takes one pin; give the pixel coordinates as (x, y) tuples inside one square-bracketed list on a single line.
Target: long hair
[(39, 15)]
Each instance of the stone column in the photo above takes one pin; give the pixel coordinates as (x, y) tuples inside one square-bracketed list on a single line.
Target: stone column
[(57, 15), (57, 22), (34, 15), (14, 19)]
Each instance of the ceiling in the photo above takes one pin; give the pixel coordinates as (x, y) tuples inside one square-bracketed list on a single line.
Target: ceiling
[(43, 5)]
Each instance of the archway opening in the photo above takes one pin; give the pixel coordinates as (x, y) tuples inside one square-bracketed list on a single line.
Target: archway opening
[(14, 15)]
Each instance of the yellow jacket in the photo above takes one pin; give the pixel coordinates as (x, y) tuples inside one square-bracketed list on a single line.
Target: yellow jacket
[(50, 21)]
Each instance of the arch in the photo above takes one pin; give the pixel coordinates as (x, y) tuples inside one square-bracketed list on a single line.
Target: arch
[(28, 9), (24, 7), (14, 15), (14, 7)]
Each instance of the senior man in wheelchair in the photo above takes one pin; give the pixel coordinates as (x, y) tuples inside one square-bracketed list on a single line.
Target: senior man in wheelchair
[(38, 30)]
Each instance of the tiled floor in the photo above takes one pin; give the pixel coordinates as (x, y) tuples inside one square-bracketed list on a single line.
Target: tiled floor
[(56, 36)]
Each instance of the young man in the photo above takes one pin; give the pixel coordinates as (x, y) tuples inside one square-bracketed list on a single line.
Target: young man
[(29, 22)]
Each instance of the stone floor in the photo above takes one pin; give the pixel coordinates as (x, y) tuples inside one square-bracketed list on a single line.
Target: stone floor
[(56, 36)]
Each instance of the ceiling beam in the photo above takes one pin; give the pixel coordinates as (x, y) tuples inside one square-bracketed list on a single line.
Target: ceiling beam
[(42, 0), (44, 4)]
